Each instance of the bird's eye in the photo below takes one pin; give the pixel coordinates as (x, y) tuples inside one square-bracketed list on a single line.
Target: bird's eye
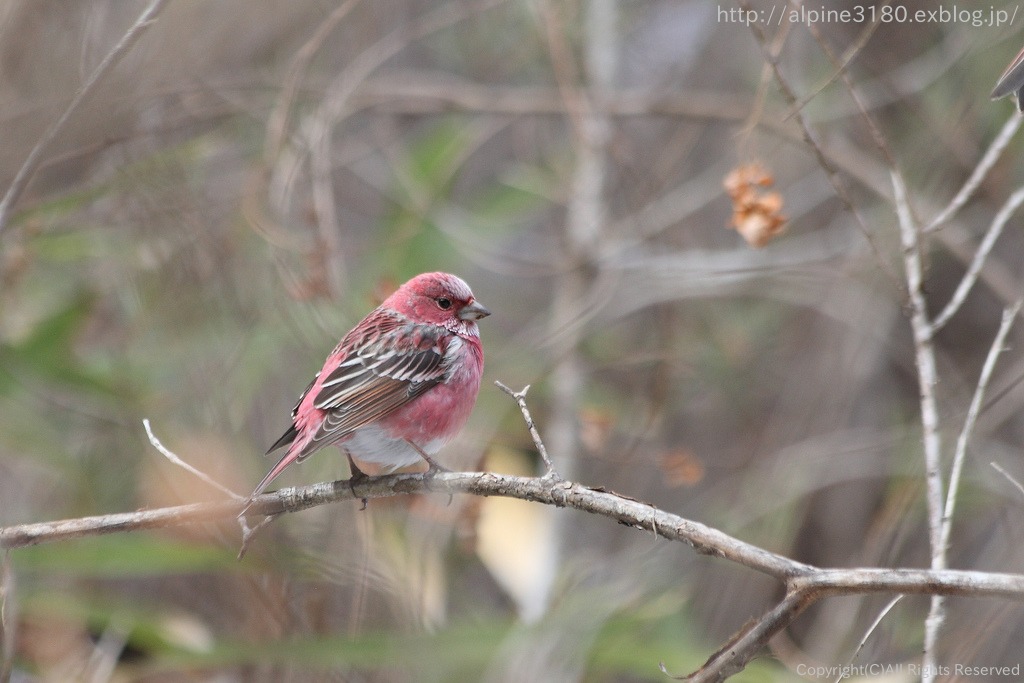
[(444, 303)]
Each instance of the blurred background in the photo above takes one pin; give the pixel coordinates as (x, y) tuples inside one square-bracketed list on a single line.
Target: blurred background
[(254, 177)]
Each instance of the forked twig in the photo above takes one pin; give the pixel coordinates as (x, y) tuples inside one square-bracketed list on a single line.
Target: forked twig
[(978, 174), (1007, 210), (249, 533), (520, 399)]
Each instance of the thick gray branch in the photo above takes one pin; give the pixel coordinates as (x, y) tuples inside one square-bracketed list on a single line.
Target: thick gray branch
[(549, 491), (804, 583)]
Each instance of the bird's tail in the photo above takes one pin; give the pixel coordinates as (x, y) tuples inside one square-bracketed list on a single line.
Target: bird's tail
[(288, 458)]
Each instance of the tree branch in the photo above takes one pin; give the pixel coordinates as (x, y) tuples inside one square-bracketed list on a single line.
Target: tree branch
[(805, 584), (927, 374), (1006, 212), (1009, 315), (978, 174)]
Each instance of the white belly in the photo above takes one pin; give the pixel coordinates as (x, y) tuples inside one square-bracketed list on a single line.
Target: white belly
[(372, 444)]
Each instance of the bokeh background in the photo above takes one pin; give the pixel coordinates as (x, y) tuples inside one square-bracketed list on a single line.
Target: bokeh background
[(254, 177)]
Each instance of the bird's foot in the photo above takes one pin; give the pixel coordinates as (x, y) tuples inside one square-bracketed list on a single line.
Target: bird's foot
[(356, 477), (434, 468)]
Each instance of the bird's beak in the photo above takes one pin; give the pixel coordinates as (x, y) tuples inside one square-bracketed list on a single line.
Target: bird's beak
[(474, 310)]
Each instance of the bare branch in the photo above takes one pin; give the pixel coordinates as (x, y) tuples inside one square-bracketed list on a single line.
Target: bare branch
[(1009, 477), (927, 376), (924, 357), (627, 511), (871, 629), (826, 164), (1009, 315), (805, 584), (979, 172), (971, 276), (520, 398), (181, 463), (31, 164), (67, 529), (750, 640)]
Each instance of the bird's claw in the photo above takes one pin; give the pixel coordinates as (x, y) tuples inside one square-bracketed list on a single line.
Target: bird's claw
[(357, 476)]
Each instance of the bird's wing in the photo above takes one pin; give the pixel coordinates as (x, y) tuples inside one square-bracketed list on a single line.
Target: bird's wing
[(380, 373), (1012, 80)]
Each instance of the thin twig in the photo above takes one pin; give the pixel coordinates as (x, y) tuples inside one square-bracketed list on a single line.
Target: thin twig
[(31, 164), (107, 651), (520, 399), (1007, 210), (854, 93), (831, 172), (8, 619), (979, 172), (871, 629), (841, 64), (249, 533), (181, 463), (1009, 315), (1009, 477)]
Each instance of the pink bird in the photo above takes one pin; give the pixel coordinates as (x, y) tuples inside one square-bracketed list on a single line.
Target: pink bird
[(399, 386)]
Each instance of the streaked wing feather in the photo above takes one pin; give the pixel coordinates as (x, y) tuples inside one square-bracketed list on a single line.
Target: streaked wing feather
[(378, 378), (1012, 78), (391, 395), (302, 396)]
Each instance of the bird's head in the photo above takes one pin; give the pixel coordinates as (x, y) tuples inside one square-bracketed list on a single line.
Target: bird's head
[(440, 299)]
